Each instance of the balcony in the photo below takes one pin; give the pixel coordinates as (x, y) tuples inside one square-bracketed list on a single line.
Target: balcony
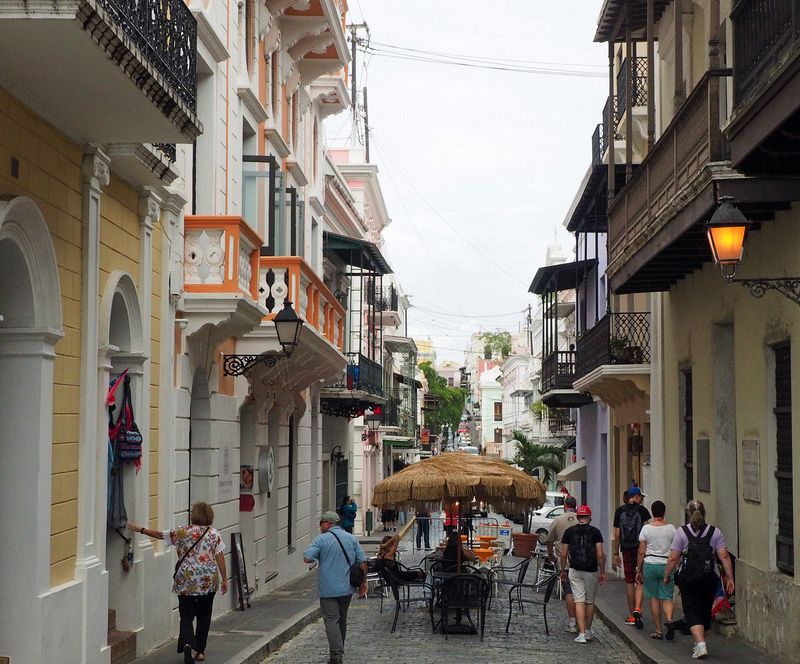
[(558, 374), (766, 85), (614, 358), (290, 277), (398, 414), (220, 262), (357, 388), (112, 71), (639, 79), (387, 306)]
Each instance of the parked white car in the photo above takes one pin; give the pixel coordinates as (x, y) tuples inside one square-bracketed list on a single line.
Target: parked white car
[(543, 518)]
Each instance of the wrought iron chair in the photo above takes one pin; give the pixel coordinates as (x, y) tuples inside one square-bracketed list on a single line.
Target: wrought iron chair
[(533, 598), (402, 590), (507, 575), (464, 592)]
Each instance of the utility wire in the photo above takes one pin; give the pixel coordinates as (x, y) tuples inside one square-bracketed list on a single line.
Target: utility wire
[(484, 58), (452, 227), (446, 313)]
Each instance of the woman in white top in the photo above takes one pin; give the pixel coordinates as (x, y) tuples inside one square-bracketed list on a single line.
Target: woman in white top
[(655, 540)]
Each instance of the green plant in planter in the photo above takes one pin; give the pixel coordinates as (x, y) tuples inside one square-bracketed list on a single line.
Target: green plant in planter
[(617, 346), (539, 410)]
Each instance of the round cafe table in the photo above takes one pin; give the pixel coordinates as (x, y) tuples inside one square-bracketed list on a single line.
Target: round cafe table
[(483, 554), (486, 540)]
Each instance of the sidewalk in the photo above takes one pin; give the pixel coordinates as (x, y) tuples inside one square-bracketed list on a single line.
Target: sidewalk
[(247, 637), (612, 607)]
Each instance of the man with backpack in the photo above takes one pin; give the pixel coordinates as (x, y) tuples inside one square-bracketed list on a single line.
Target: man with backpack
[(628, 522), (559, 526), (337, 552), (583, 546)]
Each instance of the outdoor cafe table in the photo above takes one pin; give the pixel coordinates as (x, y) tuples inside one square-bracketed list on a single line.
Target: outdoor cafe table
[(437, 580)]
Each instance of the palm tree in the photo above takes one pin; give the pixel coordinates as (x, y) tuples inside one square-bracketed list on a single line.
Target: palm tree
[(531, 455)]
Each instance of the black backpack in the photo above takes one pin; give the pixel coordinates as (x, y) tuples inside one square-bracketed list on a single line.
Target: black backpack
[(630, 525), (582, 550), (698, 560)]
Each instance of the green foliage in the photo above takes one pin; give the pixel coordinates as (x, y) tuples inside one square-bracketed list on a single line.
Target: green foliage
[(539, 410), (499, 343), (531, 455), (450, 400)]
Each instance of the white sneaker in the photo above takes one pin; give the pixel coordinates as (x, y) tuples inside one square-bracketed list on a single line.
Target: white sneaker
[(590, 635), (581, 638), (699, 651), (572, 629)]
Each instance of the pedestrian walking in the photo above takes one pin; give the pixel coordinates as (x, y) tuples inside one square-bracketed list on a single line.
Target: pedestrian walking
[(199, 573), (424, 529), (336, 550), (628, 522), (694, 551), (655, 541), (347, 513), (557, 529), (583, 562)]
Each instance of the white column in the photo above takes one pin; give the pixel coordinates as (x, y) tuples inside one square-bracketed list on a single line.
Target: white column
[(96, 175)]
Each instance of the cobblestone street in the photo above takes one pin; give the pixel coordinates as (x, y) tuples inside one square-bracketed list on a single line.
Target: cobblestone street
[(369, 640)]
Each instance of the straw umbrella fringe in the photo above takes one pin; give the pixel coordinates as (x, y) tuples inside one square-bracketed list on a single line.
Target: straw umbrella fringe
[(457, 476)]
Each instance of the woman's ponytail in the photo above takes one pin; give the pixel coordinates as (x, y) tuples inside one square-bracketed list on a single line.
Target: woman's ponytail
[(696, 512)]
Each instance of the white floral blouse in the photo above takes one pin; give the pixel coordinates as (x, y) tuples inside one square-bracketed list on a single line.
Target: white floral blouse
[(198, 573)]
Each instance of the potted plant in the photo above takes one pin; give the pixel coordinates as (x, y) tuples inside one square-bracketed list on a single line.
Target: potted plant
[(617, 346), (530, 456)]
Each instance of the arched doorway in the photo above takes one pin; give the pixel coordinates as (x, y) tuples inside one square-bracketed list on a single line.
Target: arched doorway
[(30, 306), (121, 333)]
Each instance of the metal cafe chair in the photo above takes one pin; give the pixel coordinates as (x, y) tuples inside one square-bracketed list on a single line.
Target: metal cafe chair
[(533, 596), (464, 592)]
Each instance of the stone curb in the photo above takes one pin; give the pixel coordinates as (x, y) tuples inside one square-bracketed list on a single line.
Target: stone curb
[(257, 652), (614, 627)]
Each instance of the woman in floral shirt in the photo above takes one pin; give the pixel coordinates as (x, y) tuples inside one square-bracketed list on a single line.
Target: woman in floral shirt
[(198, 577)]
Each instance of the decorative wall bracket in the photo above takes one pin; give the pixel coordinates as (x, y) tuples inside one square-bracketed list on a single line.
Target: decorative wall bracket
[(238, 365), (787, 286)]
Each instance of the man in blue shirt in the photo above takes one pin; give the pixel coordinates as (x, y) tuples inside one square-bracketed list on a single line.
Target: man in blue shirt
[(335, 591)]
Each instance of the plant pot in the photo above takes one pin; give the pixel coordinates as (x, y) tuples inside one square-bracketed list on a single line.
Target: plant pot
[(524, 543)]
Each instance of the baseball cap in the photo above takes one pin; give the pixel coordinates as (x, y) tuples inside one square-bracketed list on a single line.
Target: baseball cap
[(330, 517), (584, 510), (636, 491)]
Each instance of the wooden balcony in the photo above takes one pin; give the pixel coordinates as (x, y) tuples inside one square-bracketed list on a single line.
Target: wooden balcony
[(290, 277), (220, 256), (764, 127), (667, 195), (104, 71), (558, 374), (617, 338)]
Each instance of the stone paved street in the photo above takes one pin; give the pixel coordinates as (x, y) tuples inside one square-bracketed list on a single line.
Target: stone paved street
[(369, 640)]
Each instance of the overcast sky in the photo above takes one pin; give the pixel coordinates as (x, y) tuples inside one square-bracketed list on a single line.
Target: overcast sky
[(493, 156)]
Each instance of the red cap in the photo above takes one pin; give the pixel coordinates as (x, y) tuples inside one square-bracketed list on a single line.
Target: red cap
[(583, 510)]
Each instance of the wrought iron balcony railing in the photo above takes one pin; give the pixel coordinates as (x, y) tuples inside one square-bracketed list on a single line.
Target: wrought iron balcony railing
[(558, 371), (361, 373), (612, 105), (165, 32), (763, 31), (622, 338), (168, 150), (639, 84), (388, 301), (598, 144), (399, 412)]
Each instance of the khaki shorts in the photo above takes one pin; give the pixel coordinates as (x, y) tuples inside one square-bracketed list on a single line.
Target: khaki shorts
[(584, 585)]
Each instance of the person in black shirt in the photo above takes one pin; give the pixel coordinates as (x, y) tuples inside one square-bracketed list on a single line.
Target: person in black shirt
[(583, 545), (628, 522)]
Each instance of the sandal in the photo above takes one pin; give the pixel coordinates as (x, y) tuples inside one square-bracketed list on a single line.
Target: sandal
[(670, 630), (657, 635)]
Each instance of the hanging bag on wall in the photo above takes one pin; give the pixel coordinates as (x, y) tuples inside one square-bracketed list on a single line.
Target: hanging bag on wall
[(129, 439)]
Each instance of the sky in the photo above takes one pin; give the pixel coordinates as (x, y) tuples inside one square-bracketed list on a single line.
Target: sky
[(478, 167)]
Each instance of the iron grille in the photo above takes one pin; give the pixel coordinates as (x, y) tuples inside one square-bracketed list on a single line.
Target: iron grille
[(361, 373), (617, 338), (639, 84), (598, 144), (558, 371), (783, 472), (612, 103), (166, 34), (168, 150)]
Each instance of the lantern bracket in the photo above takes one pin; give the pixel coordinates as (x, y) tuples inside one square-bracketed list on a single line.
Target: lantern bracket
[(238, 365), (787, 286)]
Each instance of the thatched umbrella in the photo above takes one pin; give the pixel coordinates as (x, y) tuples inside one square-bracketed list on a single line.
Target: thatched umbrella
[(458, 476)]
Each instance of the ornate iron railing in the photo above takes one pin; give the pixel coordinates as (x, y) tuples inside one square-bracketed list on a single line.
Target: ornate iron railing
[(612, 103), (639, 84), (559, 421), (169, 150), (388, 301), (558, 371), (361, 373), (598, 144), (399, 411), (622, 338), (763, 30), (166, 33)]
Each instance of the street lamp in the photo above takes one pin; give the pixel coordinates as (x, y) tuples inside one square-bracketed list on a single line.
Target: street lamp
[(726, 231), (336, 454), (372, 420), (288, 326)]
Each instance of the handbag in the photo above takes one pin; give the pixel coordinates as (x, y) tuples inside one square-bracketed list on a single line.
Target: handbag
[(356, 573), (180, 562), (129, 438)]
